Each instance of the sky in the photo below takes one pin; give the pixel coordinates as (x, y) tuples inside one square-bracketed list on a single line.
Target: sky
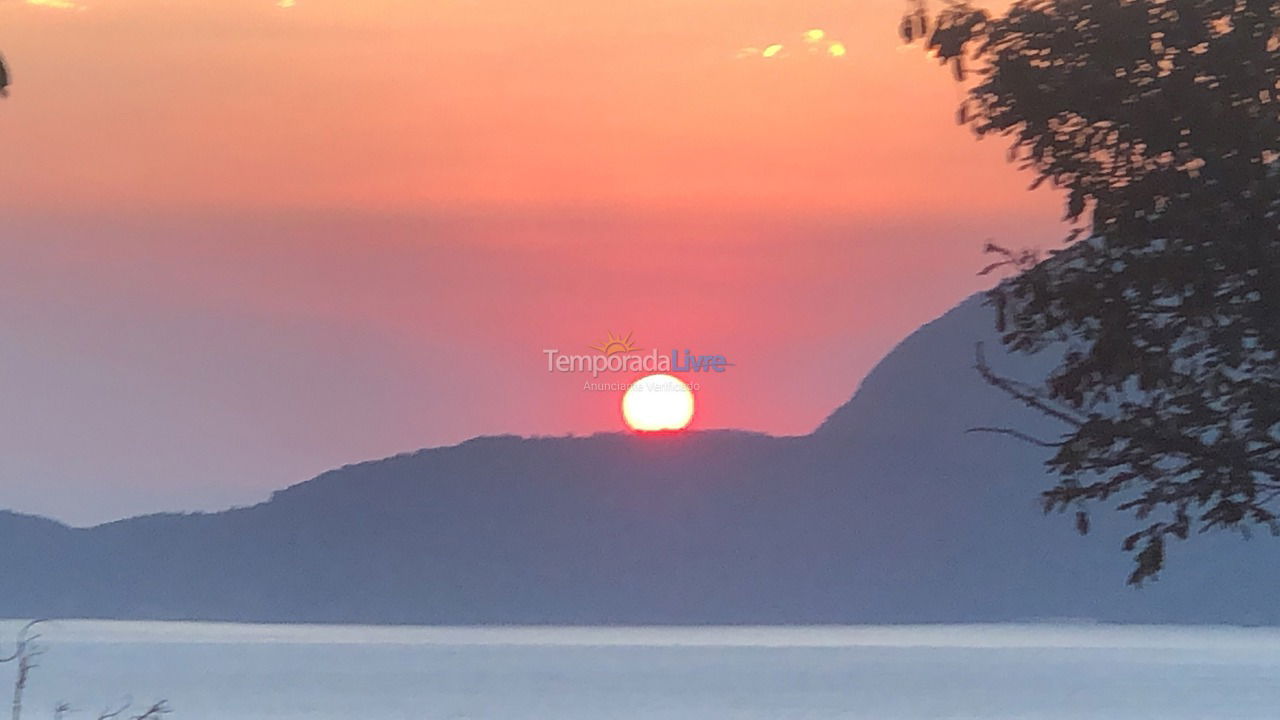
[(246, 241)]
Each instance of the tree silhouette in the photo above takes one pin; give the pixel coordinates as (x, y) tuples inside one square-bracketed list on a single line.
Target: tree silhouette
[(1160, 120)]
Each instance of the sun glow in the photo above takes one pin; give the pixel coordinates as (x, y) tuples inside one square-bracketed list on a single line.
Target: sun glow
[(658, 402), (816, 42)]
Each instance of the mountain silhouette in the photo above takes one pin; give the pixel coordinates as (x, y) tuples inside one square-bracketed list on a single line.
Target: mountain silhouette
[(888, 512)]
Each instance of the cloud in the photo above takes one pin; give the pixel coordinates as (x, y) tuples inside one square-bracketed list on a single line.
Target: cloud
[(56, 4), (73, 5)]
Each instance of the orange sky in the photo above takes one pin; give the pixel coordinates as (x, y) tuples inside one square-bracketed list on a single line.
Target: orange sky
[(408, 105), (243, 243)]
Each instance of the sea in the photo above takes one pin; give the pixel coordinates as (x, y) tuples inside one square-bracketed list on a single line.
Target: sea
[(1037, 671)]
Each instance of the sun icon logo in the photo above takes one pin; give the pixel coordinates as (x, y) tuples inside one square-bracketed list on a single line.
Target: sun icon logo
[(615, 344)]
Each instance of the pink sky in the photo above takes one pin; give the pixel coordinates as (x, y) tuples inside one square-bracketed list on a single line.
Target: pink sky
[(244, 243)]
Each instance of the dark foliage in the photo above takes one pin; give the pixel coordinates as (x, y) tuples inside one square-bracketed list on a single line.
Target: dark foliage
[(1160, 120)]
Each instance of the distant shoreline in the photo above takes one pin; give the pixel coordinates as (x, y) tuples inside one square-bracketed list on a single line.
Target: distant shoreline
[(1045, 635)]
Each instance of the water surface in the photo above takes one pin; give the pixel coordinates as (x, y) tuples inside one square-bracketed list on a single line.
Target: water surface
[(261, 672)]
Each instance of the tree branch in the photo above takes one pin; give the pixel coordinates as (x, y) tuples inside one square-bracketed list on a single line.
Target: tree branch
[(1015, 433)]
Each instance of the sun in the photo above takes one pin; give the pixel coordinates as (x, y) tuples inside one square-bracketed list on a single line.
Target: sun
[(658, 402)]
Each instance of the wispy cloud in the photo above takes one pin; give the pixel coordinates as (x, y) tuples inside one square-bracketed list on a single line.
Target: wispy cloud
[(73, 5), (56, 4)]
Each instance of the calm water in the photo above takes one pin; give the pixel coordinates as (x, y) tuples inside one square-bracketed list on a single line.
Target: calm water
[(1036, 671)]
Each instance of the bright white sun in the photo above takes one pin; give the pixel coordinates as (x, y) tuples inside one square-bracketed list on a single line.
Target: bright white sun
[(658, 402)]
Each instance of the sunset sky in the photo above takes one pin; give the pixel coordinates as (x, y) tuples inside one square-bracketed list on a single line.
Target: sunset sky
[(245, 242)]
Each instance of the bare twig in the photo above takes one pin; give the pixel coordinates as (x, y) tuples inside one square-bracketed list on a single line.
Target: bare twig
[(1015, 433), (1019, 391), (25, 638), (113, 714), (159, 709), (26, 653)]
